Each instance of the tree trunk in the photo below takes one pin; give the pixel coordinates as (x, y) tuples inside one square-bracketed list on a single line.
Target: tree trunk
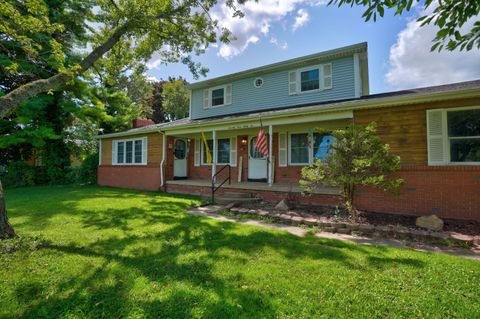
[(10, 102), (6, 230)]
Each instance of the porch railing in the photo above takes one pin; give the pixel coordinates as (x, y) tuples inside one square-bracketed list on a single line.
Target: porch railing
[(229, 179)]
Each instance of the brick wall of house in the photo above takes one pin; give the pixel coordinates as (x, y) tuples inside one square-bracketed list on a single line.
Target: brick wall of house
[(447, 191), (132, 176)]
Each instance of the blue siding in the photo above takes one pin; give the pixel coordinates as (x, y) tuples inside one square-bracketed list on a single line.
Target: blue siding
[(274, 92)]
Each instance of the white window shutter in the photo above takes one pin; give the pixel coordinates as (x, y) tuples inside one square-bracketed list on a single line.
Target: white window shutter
[(436, 137), (292, 82), (282, 149), (114, 152), (327, 76), (197, 152), (144, 151), (228, 94), (206, 98), (233, 151)]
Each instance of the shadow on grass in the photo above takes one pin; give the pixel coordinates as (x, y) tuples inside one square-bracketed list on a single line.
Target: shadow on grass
[(177, 260)]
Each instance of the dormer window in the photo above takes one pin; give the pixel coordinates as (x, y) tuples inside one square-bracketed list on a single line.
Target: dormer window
[(217, 96), (310, 79)]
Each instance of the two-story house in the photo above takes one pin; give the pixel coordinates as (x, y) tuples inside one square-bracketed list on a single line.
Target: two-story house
[(435, 131)]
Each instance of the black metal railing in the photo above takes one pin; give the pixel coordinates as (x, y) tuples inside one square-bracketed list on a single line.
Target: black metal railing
[(229, 179)]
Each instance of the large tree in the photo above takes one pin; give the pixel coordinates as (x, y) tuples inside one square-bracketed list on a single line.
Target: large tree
[(450, 16), (172, 29), (169, 100)]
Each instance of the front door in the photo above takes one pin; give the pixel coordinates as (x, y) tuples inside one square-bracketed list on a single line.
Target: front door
[(257, 163), (180, 159)]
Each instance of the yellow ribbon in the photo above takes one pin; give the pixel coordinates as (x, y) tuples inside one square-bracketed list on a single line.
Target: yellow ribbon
[(207, 149)]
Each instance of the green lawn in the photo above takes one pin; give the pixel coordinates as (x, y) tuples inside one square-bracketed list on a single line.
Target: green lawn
[(125, 254)]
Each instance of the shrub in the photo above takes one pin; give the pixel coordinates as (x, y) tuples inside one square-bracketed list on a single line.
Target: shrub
[(88, 169), (19, 174), (358, 157)]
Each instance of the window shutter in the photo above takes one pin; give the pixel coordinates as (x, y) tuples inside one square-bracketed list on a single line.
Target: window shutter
[(292, 82), (206, 98), (114, 152), (327, 76), (197, 152), (233, 151), (436, 137), (144, 151), (228, 94), (282, 149)]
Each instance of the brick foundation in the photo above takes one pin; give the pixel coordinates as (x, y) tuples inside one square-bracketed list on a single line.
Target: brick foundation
[(138, 177)]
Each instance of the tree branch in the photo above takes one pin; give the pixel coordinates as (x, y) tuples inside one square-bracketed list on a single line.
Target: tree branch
[(10, 102)]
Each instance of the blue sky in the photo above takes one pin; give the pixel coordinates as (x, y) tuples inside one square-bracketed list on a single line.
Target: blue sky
[(273, 31)]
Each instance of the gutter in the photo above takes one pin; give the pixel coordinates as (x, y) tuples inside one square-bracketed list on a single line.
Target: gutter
[(164, 150)]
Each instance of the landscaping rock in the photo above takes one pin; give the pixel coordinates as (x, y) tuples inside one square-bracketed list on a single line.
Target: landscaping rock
[(310, 221), (282, 206), (343, 230), (462, 238), (235, 209), (330, 229), (353, 226), (262, 212), (431, 222), (286, 218), (243, 210), (366, 228), (230, 205), (297, 220), (252, 211), (476, 240)]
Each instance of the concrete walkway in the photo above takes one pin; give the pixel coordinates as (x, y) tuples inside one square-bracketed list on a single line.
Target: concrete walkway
[(213, 210)]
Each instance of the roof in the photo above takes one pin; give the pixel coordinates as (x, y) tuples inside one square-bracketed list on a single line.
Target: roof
[(469, 88), (292, 63)]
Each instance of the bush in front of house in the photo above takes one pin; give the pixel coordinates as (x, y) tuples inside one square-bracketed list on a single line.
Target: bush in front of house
[(88, 169), (357, 158)]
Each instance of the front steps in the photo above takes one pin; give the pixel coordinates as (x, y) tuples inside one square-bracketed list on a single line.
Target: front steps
[(235, 197)]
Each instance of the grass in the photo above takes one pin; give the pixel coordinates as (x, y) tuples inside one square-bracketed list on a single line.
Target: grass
[(125, 254)]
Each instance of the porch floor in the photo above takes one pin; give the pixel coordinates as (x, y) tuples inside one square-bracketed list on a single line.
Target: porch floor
[(276, 187)]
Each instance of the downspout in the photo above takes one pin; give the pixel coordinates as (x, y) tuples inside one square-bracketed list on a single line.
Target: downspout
[(162, 163)]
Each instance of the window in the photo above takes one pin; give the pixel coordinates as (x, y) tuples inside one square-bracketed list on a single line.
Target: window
[(218, 97), (463, 127), (129, 152), (309, 80), (223, 151), (258, 82), (299, 149)]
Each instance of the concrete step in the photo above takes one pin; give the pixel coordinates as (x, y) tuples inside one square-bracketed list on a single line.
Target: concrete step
[(236, 195), (222, 200)]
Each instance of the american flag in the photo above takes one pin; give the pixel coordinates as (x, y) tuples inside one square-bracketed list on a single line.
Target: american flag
[(261, 144)]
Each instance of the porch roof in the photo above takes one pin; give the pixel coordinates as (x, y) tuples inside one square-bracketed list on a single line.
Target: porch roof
[(330, 110)]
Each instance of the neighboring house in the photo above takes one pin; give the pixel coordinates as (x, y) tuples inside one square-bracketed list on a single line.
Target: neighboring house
[(435, 131)]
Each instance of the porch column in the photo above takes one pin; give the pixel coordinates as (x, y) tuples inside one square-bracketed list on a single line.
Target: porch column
[(214, 164), (270, 151)]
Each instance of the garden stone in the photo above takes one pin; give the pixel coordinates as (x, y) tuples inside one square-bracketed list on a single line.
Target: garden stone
[(282, 206), (252, 211), (366, 228), (343, 231), (262, 212), (462, 238), (431, 222), (310, 221), (330, 229), (285, 218), (235, 209), (243, 210), (297, 220)]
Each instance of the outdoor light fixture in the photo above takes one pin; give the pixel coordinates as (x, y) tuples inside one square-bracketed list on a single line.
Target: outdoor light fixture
[(244, 141)]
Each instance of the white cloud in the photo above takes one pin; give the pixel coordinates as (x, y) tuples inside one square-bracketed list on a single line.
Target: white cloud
[(412, 64), (258, 20), (301, 19), (282, 45)]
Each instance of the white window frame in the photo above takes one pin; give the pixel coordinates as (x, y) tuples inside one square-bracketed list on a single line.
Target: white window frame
[(144, 141), (210, 92), (447, 139), (310, 149), (321, 78), (202, 151)]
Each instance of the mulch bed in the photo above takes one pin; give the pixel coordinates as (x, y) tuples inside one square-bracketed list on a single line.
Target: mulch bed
[(466, 227)]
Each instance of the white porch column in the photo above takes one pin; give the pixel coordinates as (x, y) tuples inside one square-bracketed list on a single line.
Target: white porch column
[(270, 154), (214, 155)]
